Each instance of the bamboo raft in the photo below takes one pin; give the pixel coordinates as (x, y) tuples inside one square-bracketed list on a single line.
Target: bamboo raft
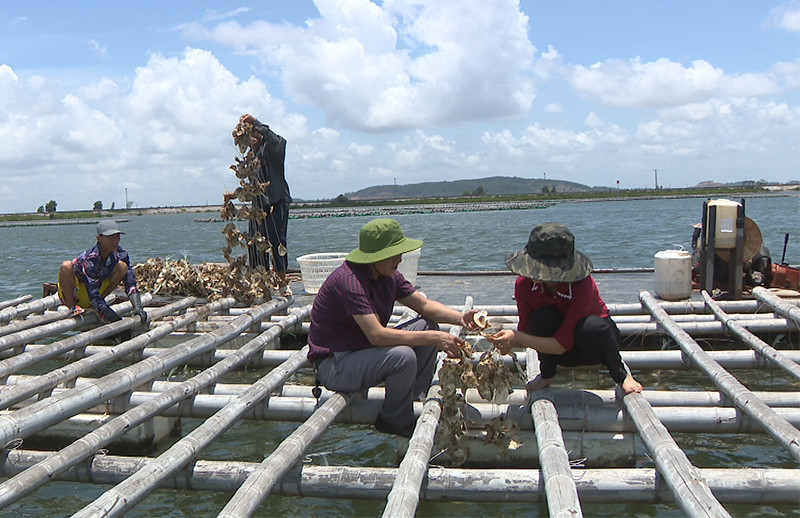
[(78, 390)]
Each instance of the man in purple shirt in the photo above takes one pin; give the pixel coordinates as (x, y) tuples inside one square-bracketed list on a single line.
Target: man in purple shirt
[(85, 281), (349, 341)]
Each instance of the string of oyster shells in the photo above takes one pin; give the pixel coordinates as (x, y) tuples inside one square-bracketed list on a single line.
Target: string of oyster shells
[(242, 280), (494, 383), (206, 280), (236, 278)]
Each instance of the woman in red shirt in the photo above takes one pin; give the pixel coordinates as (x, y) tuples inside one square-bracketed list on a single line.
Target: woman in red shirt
[(561, 313)]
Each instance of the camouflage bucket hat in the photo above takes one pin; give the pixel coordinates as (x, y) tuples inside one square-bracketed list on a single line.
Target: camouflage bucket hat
[(381, 239), (550, 256)]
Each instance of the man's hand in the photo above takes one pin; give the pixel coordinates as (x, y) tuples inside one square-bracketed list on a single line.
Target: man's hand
[(468, 320), (450, 344)]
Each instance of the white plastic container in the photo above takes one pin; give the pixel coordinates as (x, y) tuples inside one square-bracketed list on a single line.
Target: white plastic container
[(725, 230), (408, 266), (315, 268), (673, 274)]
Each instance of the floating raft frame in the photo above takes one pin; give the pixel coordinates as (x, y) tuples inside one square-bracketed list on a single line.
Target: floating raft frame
[(580, 445)]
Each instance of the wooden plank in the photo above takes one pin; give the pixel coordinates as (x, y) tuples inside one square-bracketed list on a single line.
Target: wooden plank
[(619, 485), (15, 302), (46, 382), (124, 496), (772, 355), (690, 490), (51, 410), (21, 310), (28, 481), (63, 325), (778, 305), (259, 484), (404, 497), (560, 490), (780, 429)]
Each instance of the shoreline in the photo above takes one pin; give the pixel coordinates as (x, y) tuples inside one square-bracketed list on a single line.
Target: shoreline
[(378, 207)]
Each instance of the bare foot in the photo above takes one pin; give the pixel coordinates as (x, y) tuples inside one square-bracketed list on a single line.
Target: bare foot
[(630, 385), (538, 383)]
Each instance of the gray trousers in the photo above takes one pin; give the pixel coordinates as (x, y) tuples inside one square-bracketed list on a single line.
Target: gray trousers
[(406, 372)]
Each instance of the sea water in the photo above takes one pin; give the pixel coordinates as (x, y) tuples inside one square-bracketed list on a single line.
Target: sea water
[(614, 234)]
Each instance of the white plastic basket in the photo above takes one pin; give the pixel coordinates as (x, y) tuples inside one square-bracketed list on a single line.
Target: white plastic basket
[(408, 266), (315, 268)]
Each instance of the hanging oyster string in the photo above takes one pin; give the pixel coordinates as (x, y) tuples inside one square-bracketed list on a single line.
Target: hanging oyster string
[(491, 378), (237, 278)]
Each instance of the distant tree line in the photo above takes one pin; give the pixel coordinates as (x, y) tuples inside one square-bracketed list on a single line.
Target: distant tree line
[(50, 207)]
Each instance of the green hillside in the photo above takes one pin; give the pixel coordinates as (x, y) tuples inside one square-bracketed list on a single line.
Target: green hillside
[(489, 186)]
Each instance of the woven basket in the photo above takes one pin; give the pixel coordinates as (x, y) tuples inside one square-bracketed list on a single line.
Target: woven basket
[(315, 268)]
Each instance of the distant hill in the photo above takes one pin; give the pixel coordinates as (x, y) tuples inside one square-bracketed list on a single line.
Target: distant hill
[(490, 185)]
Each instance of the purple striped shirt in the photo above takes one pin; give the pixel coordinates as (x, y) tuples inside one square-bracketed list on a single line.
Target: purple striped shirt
[(349, 290)]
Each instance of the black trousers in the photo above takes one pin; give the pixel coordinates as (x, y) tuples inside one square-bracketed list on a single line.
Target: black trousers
[(597, 342)]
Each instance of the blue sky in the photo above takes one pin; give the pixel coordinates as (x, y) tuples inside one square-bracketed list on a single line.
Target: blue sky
[(100, 97)]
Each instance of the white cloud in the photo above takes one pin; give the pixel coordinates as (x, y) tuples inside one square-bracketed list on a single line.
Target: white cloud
[(786, 16), (664, 83), (403, 65), (96, 46), (553, 108), (403, 90), (171, 129)]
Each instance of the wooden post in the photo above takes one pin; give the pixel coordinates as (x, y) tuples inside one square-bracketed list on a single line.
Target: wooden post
[(783, 432), (617, 485), (736, 257), (562, 495), (682, 417), (66, 324), (21, 310), (778, 305), (259, 484), (13, 302), (114, 384), (17, 393), (31, 419), (745, 359), (36, 321), (28, 358), (135, 488), (690, 490), (404, 497), (708, 246), (774, 356)]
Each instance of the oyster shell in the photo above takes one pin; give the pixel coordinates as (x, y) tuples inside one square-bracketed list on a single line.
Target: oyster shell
[(481, 319)]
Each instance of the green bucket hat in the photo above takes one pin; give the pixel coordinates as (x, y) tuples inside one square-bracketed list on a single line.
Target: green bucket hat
[(550, 256), (381, 239)]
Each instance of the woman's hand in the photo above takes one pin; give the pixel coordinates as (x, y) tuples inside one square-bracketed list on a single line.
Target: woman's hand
[(504, 340)]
